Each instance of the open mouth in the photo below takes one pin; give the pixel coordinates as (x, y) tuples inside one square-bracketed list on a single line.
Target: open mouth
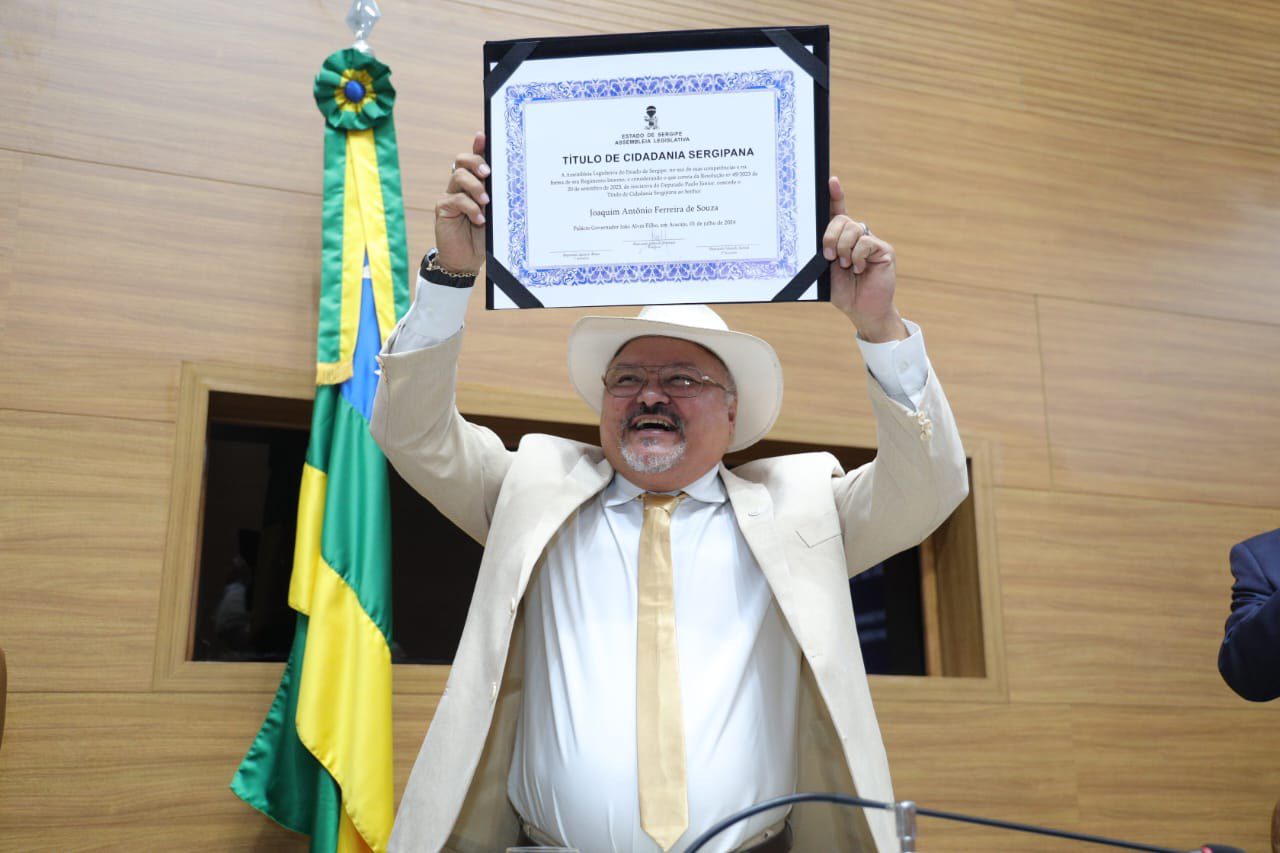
[(652, 439), (652, 426), (647, 423)]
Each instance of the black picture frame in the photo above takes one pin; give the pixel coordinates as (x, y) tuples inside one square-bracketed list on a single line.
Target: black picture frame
[(807, 46)]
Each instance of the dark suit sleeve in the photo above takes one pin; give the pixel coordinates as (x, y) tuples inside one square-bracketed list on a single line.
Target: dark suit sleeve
[(1249, 659)]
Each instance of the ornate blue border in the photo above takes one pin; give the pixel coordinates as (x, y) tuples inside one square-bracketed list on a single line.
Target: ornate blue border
[(782, 83)]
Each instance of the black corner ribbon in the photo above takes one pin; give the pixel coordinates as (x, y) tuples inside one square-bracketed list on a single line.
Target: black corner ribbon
[(795, 288), (508, 64), (508, 284), (800, 55)]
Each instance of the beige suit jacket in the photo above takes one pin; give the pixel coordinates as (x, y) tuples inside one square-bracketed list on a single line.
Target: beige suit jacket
[(809, 524)]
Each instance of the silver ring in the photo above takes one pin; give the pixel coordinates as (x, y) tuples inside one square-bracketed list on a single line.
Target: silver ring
[(866, 229)]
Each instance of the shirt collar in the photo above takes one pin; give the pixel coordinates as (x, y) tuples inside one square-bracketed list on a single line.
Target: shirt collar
[(708, 488)]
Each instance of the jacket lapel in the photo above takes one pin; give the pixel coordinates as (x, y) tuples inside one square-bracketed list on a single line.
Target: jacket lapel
[(585, 480), (753, 508)]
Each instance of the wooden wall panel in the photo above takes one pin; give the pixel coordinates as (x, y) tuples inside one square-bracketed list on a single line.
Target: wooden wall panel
[(984, 348), (1154, 774), (10, 172), (1178, 776), (146, 771), (136, 85), (972, 758), (995, 388), (932, 125), (1114, 600), (999, 198), (412, 713), (136, 261), (1160, 405), (130, 772), (1114, 65), (139, 386), (1183, 69), (119, 275), (223, 91), (1172, 776), (82, 526)]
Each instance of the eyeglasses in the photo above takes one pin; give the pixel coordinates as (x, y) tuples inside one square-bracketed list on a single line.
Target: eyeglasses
[(627, 380)]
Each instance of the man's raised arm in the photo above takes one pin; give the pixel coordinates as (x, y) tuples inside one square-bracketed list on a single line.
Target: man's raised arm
[(456, 465)]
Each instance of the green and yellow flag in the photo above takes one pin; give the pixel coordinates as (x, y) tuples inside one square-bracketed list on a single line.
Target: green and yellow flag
[(321, 764)]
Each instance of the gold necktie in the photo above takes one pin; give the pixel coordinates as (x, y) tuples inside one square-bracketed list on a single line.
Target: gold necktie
[(664, 799)]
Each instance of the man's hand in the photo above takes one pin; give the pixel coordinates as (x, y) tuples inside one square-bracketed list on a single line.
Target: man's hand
[(460, 212), (863, 275)]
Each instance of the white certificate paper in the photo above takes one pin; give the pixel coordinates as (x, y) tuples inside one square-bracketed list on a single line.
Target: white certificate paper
[(650, 178)]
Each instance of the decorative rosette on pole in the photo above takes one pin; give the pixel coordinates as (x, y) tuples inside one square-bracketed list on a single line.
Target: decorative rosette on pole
[(354, 90), (363, 208)]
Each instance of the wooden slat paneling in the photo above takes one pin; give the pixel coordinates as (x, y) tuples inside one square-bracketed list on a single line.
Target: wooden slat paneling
[(216, 91), (119, 771), (1121, 65), (995, 389), (189, 259), (119, 275), (984, 347), (1187, 70), (1178, 777), (10, 175), (146, 771), (1163, 406), (412, 713), (1117, 600), (1182, 69), (1099, 194), (107, 383), (987, 760), (82, 520), (996, 197)]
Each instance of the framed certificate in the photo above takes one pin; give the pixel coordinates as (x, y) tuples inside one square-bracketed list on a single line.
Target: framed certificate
[(657, 168)]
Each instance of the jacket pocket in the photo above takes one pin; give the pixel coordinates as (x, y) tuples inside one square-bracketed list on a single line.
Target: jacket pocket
[(815, 531)]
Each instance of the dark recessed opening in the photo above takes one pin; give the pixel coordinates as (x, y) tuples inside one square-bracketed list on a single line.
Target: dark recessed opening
[(255, 450)]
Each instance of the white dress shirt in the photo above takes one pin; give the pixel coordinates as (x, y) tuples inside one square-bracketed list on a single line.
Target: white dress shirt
[(574, 770)]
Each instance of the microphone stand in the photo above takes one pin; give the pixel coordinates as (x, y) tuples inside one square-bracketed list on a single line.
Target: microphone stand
[(905, 813)]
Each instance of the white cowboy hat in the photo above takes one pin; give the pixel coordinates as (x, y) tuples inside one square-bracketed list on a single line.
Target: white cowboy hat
[(752, 363)]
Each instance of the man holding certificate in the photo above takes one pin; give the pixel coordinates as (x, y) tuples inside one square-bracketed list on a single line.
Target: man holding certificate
[(656, 642)]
